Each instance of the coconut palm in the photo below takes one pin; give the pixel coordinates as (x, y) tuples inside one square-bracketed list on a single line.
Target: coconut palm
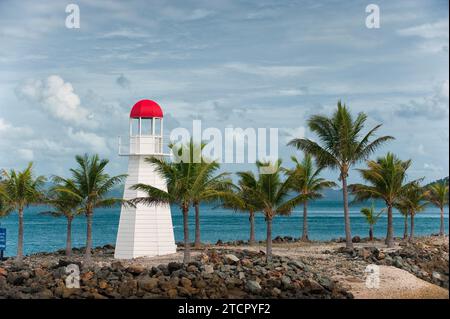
[(65, 205), (414, 200), (204, 185), (245, 203), (90, 184), (187, 182), (438, 196), (371, 218), (403, 210), (272, 195), (306, 181), (341, 146), (18, 190), (386, 180)]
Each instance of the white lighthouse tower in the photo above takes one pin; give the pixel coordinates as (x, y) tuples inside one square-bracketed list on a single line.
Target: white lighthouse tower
[(144, 230)]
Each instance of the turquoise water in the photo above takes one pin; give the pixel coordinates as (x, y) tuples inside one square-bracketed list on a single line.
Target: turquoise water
[(43, 233)]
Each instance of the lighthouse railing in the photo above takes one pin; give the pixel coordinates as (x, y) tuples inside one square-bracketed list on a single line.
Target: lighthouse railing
[(143, 145)]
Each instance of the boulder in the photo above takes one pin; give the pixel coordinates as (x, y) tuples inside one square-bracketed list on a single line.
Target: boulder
[(253, 286)]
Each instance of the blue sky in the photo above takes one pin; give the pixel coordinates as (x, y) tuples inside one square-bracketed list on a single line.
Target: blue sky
[(229, 63)]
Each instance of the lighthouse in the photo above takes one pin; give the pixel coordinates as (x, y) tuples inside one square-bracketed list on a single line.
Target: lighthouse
[(144, 230)]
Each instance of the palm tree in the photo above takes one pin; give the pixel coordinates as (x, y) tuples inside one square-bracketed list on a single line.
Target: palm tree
[(65, 205), (245, 202), (272, 195), (90, 185), (18, 190), (386, 180), (341, 146), (438, 196), (414, 200), (204, 185), (186, 183), (404, 212), (371, 218), (306, 181)]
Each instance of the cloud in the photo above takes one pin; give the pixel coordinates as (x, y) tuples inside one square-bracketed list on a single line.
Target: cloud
[(271, 71), (432, 167), (185, 15), (9, 130), (123, 82), (434, 107), (26, 154), (96, 143), (57, 98), (427, 31)]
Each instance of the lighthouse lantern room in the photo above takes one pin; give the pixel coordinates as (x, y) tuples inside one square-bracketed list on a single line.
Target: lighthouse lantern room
[(144, 230)]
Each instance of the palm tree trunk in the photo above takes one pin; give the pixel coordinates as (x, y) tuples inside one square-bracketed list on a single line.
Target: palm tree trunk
[(348, 233), (269, 240), (442, 232), (187, 250), (371, 232), (69, 237), (405, 231), (305, 222), (197, 226), (411, 234), (252, 228), (87, 255), (20, 238), (390, 229)]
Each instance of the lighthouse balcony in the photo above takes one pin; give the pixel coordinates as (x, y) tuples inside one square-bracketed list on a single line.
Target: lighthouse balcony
[(143, 145)]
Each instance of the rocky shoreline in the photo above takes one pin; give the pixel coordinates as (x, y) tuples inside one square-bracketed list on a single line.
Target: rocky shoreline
[(220, 273), (319, 270), (425, 258)]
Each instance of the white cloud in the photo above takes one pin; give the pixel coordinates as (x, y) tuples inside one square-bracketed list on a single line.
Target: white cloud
[(9, 130), (96, 143), (271, 71), (432, 167), (26, 154), (57, 98), (427, 31)]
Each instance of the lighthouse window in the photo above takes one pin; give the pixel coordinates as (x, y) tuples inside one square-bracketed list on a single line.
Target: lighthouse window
[(135, 127), (146, 126), (157, 126)]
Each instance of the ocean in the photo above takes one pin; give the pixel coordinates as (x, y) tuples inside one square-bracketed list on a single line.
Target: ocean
[(44, 233)]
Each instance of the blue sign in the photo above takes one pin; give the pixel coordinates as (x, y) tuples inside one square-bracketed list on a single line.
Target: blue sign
[(2, 238)]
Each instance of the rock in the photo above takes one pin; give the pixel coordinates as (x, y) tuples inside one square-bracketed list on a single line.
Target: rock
[(102, 284), (437, 275), (276, 292), (209, 269), (231, 258), (241, 275), (313, 286), (253, 286), (173, 266), (296, 264), (185, 282), (381, 255), (68, 292), (136, 269), (172, 293), (286, 281), (148, 284), (364, 253), (3, 272), (398, 262), (356, 239), (246, 262), (128, 288), (85, 277), (192, 268)]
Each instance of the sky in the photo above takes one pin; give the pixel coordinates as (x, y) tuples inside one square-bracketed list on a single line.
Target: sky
[(247, 64)]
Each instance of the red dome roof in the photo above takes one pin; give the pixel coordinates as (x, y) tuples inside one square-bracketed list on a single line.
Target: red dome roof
[(146, 108)]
